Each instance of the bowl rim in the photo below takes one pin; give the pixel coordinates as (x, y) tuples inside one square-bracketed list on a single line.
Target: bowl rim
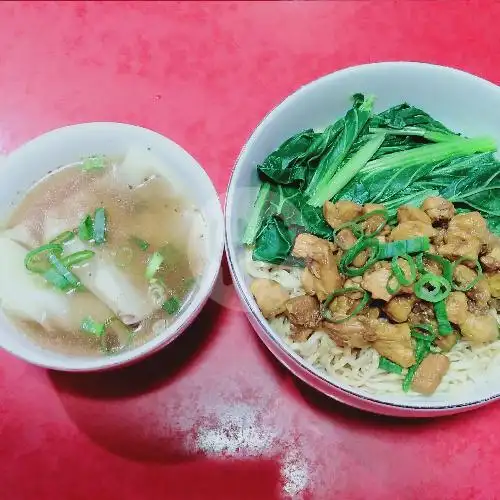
[(209, 275), (303, 368)]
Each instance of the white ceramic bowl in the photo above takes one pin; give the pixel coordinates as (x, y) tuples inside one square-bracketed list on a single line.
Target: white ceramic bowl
[(462, 101), (32, 161)]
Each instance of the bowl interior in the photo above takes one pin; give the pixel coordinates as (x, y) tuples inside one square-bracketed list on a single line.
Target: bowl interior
[(31, 162), (461, 101)]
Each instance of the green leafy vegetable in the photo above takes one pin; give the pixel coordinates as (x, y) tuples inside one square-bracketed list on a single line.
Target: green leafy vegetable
[(354, 122), (142, 244), (274, 241), (389, 366), (37, 260), (346, 172), (257, 215)]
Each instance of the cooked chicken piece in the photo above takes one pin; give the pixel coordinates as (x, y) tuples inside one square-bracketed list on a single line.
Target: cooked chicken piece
[(480, 292), (307, 280), (300, 333), (412, 229), (270, 296), (439, 239), (308, 246), (430, 373), (354, 332), (422, 312), (460, 244), (373, 223), (343, 305), (373, 312), (493, 280), (340, 212), (399, 308), (303, 311), (408, 213), (472, 223), (456, 307), (345, 240), (323, 276), (394, 342), (375, 281), (438, 209), (479, 329), (491, 261), (447, 342)]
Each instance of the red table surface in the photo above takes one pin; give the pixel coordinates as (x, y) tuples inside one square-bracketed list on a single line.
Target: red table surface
[(215, 416)]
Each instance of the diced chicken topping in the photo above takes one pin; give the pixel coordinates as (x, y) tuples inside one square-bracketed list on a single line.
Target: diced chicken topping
[(394, 343), (375, 281), (491, 261), (399, 308), (412, 229), (447, 342), (338, 213), (372, 223), (303, 311), (354, 332), (408, 213), (345, 240), (493, 280), (430, 373), (479, 329), (270, 296), (324, 276), (480, 293), (472, 223), (438, 209), (456, 307)]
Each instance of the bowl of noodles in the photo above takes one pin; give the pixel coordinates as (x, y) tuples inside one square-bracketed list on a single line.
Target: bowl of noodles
[(362, 232)]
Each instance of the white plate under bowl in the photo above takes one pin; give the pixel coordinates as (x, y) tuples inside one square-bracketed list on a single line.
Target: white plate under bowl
[(32, 161), (463, 102)]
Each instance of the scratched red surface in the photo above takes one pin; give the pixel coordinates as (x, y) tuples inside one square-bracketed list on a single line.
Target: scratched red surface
[(214, 416)]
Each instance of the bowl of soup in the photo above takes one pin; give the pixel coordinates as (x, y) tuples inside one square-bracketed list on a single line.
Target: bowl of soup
[(111, 237)]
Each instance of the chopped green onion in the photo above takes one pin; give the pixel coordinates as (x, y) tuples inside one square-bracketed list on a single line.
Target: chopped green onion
[(444, 325), (86, 228), (468, 286), (172, 305), (77, 258), (409, 377), (97, 162), (401, 247), (389, 366), (64, 271), (153, 265), (88, 325), (441, 288), (379, 211), (392, 290), (37, 261), (444, 263), (57, 280), (142, 244), (423, 332), (399, 273), (422, 349), (352, 253), (63, 238), (326, 313), (100, 226)]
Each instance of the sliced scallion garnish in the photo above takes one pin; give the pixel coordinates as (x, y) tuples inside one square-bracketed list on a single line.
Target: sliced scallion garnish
[(86, 228), (401, 247), (77, 258), (379, 211), (63, 238), (88, 325), (57, 280), (142, 244), (153, 265), (389, 366), (64, 271), (172, 305), (444, 325), (37, 260), (439, 288), (354, 251), (399, 273), (97, 162), (445, 264), (100, 226)]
